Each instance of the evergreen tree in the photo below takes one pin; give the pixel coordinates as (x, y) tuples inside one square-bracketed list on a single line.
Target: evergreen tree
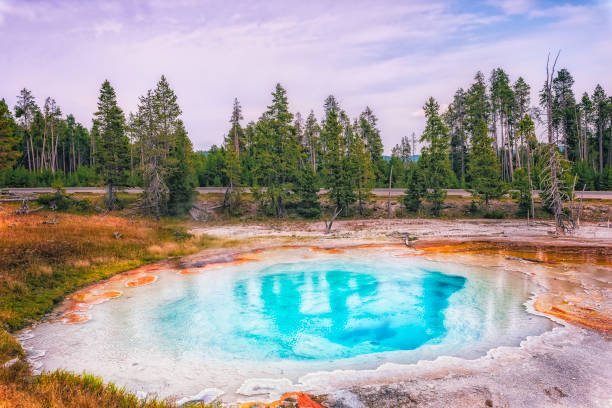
[(162, 139), (179, 173), (455, 119), (360, 168), (564, 112), (338, 175), (370, 134), (112, 156), (483, 168), (415, 188), (308, 205), (26, 111), (403, 150), (521, 183), (311, 137), (477, 106), (600, 102), (434, 158), (236, 133), (276, 151), (8, 138)]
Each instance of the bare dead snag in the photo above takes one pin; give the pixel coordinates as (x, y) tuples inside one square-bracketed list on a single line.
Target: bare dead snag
[(328, 225), (580, 206), (25, 208), (407, 241)]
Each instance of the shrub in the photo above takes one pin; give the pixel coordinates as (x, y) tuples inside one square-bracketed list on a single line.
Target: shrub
[(494, 214)]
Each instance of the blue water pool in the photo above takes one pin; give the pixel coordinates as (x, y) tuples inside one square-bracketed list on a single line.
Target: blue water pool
[(279, 319), (312, 310)]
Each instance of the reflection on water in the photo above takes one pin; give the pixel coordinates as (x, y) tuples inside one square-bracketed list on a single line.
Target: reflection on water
[(313, 310)]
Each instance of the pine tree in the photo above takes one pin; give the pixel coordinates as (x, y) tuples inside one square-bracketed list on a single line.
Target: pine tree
[(9, 139), (455, 119), (308, 205), (236, 133), (163, 141), (483, 168), (311, 136), (477, 106), (564, 112), (403, 150), (276, 152), (337, 169), (415, 188), (434, 158), (600, 101), (361, 170), (112, 156), (25, 111), (521, 183), (370, 134), (179, 172)]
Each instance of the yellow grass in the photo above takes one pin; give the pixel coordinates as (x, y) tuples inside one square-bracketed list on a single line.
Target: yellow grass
[(41, 263)]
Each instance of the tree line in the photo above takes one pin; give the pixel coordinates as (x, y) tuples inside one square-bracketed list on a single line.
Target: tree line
[(485, 141), (148, 148)]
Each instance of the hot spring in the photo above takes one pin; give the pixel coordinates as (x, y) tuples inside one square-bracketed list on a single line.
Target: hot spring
[(254, 327)]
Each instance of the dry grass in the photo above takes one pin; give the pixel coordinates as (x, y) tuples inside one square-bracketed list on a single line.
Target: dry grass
[(62, 390), (40, 263)]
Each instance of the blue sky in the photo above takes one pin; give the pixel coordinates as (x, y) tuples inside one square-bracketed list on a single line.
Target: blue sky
[(390, 55)]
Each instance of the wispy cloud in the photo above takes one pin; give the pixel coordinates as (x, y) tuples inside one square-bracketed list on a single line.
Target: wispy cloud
[(390, 55), (107, 27)]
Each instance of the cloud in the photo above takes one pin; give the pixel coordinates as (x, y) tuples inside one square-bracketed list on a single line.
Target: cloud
[(513, 6), (107, 27), (389, 55)]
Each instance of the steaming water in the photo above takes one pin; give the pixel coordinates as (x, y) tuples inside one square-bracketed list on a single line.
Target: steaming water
[(290, 314)]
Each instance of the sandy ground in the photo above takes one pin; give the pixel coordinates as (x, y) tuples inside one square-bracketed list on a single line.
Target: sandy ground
[(569, 366), (423, 229)]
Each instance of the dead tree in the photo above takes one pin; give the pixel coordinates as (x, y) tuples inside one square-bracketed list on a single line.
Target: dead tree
[(553, 170), (25, 208), (328, 225)]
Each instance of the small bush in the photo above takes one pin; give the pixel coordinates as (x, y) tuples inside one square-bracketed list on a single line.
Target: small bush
[(494, 214), (61, 201), (473, 207)]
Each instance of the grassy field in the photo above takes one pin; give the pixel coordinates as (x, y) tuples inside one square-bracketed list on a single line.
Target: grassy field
[(41, 262)]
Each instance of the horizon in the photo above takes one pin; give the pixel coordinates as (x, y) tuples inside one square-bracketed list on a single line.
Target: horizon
[(389, 56)]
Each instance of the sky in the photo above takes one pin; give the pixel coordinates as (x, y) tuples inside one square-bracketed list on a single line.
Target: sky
[(389, 55)]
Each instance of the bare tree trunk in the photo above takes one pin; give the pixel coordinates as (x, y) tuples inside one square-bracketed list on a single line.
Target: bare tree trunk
[(511, 167), (29, 158), (389, 196), (43, 146), (328, 225), (236, 141), (555, 194), (530, 182), (600, 148)]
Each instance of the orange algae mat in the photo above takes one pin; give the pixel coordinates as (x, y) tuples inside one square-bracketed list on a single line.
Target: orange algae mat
[(558, 255), (301, 399), (73, 318), (141, 281)]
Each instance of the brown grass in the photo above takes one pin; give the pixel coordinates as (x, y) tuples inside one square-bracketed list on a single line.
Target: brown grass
[(41, 263)]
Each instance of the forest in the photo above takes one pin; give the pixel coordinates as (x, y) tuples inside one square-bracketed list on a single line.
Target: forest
[(485, 141)]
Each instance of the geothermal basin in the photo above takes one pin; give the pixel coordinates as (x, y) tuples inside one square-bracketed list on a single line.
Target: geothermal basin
[(264, 322)]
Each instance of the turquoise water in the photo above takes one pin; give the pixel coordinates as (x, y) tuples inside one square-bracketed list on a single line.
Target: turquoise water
[(295, 313), (312, 310)]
